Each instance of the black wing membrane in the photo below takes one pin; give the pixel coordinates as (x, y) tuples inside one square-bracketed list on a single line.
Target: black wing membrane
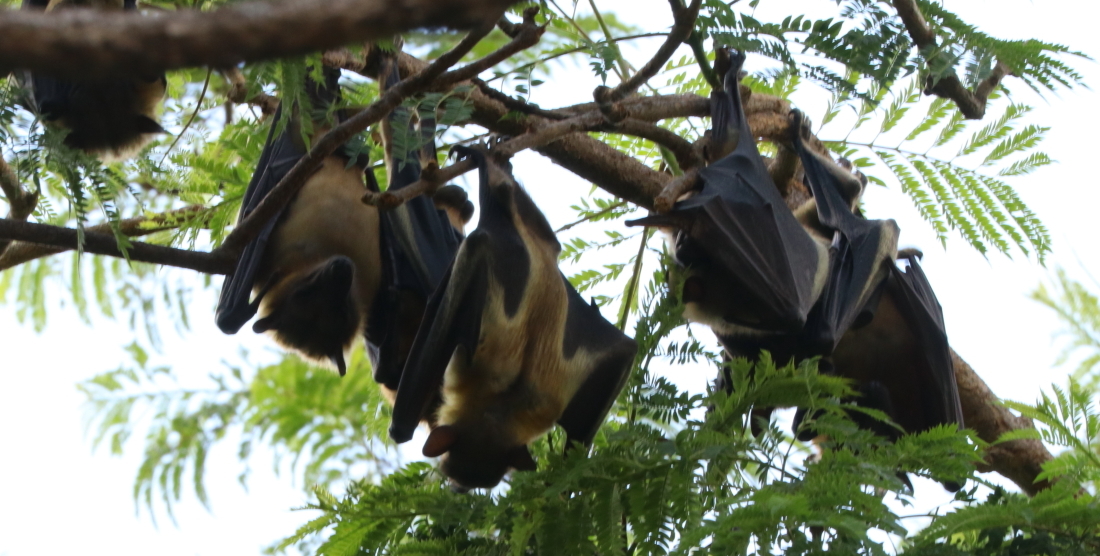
[(418, 245), (280, 154), (862, 251), (586, 328), (917, 302), (741, 228)]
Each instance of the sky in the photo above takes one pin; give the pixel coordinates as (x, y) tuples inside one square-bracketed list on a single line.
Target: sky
[(57, 496)]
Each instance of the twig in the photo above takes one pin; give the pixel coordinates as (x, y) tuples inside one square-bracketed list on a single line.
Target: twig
[(191, 120), (695, 41), (684, 22), (21, 252), (238, 93), (21, 203), (431, 178), (84, 43), (105, 244), (971, 103), (675, 188), (527, 36), (288, 187)]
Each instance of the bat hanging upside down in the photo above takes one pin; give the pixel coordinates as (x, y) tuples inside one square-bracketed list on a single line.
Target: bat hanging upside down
[(109, 117), (321, 271), (816, 282), (510, 344)]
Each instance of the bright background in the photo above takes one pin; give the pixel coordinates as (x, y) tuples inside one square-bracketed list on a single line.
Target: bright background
[(57, 497)]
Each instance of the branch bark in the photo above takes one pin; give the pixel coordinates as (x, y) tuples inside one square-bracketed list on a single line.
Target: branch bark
[(105, 244), (20, 252), (21, 203), (86, 43), (970, 103), (1020, 461)]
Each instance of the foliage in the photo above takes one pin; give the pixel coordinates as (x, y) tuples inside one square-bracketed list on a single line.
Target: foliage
[(1079, 310), (671, 472)]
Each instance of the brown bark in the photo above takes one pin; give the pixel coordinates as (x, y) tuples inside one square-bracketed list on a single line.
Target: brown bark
[(81, 43), (1021, 461)]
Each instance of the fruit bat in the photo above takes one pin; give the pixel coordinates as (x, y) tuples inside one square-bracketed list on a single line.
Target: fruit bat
[(330, 267), (900, 360), (110, 117), (316, 267), (419, 238), (510, 345)]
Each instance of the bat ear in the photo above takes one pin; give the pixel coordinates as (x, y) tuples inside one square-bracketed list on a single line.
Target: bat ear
[(440, 441), (338, 360), (264, 324), (519, 458)]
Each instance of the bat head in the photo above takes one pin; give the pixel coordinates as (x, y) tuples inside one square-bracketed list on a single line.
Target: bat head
[(313, 310), (476, 457), (456, 202)]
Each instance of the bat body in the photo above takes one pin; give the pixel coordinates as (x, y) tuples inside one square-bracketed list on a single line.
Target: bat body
[(331, 268), (419, 238), (315, 269), (754, 270), (110, 117), (510, 342)]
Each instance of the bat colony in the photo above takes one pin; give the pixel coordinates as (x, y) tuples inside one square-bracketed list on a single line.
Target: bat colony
[(481, 337)]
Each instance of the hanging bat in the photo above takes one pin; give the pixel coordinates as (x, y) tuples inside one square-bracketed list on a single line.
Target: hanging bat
[(419, 238), (316, 267), (754, 270), (508, 344), (108, 117)]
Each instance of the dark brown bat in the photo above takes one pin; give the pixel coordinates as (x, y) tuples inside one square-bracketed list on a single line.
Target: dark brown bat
[(419, 238), (753, 269), (317, 267), (330, 267), (110, 117), (510, 344)]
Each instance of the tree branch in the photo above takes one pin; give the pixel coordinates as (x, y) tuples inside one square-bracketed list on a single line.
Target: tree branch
[(20, 252), (970, 103), (1020, 461), (684, 23), (21, 203), (105, 244), (86, 43), (291, 183)]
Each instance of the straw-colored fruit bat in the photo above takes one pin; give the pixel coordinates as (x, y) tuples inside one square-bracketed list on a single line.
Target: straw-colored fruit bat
[(109, 117), (321, 273), (760, 275), (512, 345)]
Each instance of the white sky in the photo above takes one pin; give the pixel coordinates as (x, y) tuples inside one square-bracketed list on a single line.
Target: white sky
[(56, 497)]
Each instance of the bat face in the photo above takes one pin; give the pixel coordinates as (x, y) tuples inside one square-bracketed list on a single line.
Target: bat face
[(507, 347)]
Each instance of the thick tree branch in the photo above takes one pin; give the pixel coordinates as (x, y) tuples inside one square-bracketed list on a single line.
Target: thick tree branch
[(1021, 461), (970, 103), (105, 244), (289, 186), (20, 252), (683, 24), (83, 43)]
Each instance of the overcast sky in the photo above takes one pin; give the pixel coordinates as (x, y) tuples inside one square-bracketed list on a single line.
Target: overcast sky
[(57, 497)]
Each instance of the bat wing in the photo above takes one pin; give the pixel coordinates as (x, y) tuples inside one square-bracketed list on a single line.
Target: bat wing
[(858, 267), (611, 356), (418, 244), (740, 226), (452, 320), (917, 302), (280, 154)]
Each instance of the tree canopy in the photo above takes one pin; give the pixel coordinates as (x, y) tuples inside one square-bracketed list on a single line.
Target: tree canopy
[(923, 103)]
